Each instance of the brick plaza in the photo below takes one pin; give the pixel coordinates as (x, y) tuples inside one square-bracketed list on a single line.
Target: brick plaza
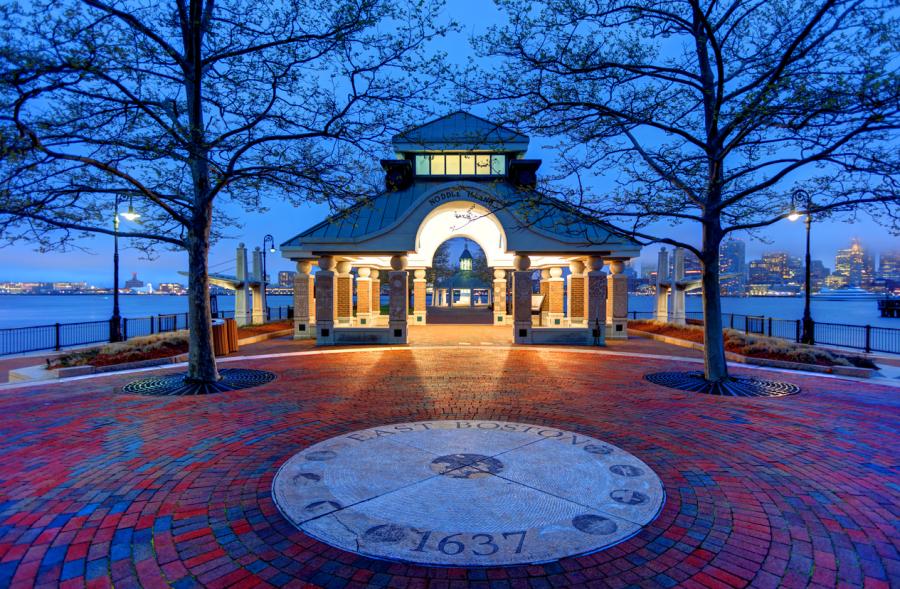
[(99, 488)]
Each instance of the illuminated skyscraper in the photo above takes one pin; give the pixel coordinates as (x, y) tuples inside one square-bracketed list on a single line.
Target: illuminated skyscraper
[(855, 265)]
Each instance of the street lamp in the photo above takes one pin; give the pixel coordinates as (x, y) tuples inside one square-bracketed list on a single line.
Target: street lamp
[(115, 322), (269, 241), (807, 335)]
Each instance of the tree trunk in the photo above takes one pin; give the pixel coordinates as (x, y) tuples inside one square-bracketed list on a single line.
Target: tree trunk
[(201, 355), (715, 365)]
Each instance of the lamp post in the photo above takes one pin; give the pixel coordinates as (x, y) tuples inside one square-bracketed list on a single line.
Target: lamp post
[(115, 322), (807, 334), (269, 241)]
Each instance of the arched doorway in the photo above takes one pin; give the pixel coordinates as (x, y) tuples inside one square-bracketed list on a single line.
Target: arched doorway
[(460, 282)]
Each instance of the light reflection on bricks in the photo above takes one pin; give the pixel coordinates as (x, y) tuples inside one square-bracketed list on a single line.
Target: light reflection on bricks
[(98, 488)]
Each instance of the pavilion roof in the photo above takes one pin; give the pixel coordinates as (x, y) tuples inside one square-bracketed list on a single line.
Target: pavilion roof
[(460, 131)]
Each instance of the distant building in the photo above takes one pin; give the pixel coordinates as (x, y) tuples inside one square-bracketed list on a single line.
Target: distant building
[(173, 288), (889, 266), (855, 265), (286, 279), (733, 262), (775, 272), (134, 283)]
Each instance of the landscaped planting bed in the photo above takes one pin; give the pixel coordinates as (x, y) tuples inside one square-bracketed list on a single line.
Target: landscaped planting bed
[(756, 346)]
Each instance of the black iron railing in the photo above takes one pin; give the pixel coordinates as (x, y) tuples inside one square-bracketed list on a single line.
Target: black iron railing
[(20, 340), (868, 338)]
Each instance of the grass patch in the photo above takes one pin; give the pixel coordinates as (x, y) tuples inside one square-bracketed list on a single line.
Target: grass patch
[(757, 346), (151, 347)]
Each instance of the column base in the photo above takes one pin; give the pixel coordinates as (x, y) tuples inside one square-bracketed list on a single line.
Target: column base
[(522, 332), (304, 329), (618, 329), (324, 333), (399, 331), (364, 320), (555, 320), (242, 319), (500, 319), (418, 318)]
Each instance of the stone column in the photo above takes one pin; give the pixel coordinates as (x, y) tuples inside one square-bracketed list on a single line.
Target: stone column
[(522, 300), (575, 297), (617, 301), (556, 289), (662, 291), (677, 289), (325, 301), (500, 316), (419, 287), (399, 305), (242, 310), (545, 291), (259, 291), (364, 297), (303, 301), (344, 298), (596, 297), (376, 296)]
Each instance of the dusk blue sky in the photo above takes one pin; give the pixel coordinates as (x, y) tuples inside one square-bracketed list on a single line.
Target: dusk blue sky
[(284, 221)]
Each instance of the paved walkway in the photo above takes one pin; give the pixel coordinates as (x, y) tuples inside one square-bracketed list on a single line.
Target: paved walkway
[(100, 488)]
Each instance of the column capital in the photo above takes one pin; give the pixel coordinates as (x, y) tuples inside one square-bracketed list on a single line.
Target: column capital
[(363, 273), (616, 266), (326, 263), (304, 266), (343, 267), (399, 262), (419, 273), (521, 262)]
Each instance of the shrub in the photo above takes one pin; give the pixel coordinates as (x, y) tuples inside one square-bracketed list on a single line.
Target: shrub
[(159, 345)]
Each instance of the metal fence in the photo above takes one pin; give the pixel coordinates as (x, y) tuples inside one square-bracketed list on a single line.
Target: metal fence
[(20, 340), (868, 338)]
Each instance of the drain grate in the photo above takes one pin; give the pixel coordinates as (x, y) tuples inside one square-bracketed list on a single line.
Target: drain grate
[(736, 386), (178, 385)]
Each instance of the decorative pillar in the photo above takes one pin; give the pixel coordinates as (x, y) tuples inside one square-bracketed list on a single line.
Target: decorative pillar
[(545, 292), (303, 301), (325, 301), (522, 300), (617, 301), (259, 290), (677, 289), (242, 309), (364, 297), (376, 296), (419, 287), (344, 298), (556, 289), (575, 297), (663, 285), (399, 305), (596, 298), (500, 316)]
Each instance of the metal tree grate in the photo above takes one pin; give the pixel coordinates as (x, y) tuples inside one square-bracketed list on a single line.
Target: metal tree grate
[(736, 386), (178, 385)]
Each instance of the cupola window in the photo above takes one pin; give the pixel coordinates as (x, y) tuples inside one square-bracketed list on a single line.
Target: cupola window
[(460, 164)]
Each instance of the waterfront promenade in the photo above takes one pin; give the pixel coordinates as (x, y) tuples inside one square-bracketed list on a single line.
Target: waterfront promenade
[(102, 488)]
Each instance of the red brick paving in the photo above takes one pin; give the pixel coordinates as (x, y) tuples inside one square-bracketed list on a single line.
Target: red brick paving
[(99, 488)]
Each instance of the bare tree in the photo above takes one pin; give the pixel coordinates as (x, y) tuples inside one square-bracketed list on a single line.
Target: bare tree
[(704, 114), (181, 104)]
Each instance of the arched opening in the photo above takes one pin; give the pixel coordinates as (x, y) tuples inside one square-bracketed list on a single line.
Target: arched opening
[(461, 283)]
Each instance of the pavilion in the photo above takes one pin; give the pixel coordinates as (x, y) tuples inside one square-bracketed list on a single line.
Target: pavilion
[(460, 176)]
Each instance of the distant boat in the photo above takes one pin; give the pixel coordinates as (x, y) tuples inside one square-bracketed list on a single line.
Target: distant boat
[(850, 293)]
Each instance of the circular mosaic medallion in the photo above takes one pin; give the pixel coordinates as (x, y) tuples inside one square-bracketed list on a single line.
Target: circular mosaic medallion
[(467, 493)]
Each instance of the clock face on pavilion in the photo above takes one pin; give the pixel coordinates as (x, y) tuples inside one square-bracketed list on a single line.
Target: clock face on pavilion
[(467, 493)]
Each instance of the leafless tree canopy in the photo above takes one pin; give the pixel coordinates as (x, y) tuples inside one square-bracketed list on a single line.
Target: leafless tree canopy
[(144, 99), (705, 113)]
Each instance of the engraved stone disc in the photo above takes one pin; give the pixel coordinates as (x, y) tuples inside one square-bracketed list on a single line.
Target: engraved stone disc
[(467, 493)]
